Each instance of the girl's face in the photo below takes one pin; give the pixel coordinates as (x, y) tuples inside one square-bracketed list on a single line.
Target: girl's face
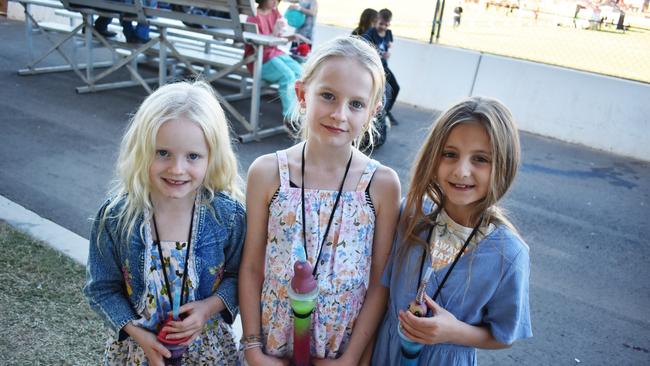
[(464, 170), (337, 101), (180, 162)]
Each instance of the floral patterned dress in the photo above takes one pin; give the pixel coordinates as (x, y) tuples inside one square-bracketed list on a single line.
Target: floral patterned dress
[(343, 271), (215, 346)]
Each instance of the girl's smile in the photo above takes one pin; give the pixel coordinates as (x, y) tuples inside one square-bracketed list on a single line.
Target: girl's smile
[(462, 187), (174, 182), (334, 129)]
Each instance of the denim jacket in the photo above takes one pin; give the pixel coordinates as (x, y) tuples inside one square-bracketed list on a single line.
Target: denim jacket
[(115, 281)]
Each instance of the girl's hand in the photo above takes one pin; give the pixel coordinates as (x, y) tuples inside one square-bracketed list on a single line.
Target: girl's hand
[(439, 328), (256, 356), (153, 350), (294, 7), (197, 314)]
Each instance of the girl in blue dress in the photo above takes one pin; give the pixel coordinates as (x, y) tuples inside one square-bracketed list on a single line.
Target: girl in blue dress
[(455, 250)]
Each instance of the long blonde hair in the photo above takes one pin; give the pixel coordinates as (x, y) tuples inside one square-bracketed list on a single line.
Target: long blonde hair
[(504, 139), (355, 49), (195, 102)]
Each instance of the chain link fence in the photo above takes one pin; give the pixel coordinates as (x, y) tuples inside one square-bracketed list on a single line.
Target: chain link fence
[(596, 36)]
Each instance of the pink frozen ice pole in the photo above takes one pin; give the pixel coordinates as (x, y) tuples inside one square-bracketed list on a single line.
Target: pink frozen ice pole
[(302, 295)]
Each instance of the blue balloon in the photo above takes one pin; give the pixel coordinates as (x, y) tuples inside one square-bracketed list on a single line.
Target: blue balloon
[(295, 18)]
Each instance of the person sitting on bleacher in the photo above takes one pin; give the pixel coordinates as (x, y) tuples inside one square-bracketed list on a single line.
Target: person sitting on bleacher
[(138, 34), (278, 67)]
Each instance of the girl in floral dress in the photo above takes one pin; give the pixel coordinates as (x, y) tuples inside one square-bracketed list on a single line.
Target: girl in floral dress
[(348, 238), (171, 234)]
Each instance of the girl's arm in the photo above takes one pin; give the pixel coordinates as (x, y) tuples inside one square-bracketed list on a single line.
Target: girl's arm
[(311, 11), (227, 290), (385, 194), (263, 179), (105, 287)]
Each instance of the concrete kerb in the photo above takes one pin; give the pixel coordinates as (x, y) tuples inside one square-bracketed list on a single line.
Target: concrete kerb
[(58, 237)]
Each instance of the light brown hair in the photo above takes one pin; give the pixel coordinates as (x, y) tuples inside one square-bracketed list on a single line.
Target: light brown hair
[(504, 139)]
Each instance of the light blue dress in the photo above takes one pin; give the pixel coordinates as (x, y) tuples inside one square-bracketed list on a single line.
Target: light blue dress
[(488, 286)]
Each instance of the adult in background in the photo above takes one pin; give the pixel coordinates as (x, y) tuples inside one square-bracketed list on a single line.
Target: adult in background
[(382, 38)]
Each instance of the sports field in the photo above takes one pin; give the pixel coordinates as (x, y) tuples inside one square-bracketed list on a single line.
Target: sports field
[(552, 38)]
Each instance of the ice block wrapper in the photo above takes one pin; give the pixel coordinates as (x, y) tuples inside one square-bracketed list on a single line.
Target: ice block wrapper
[(409, 349), (173, 345), (302, 295)]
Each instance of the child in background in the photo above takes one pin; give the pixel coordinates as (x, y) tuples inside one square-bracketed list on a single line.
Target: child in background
[(382, 38), (278, 67), (172, 230), (450, 215), (325, 202), (367, 20)]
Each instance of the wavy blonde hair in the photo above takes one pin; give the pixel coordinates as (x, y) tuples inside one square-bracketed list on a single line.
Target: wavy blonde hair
[(355, 49), (504, 139), (195, 102)]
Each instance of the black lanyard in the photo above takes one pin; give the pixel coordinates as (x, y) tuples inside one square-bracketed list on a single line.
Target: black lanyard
[(162, 262), (453, 264), (336, 203)]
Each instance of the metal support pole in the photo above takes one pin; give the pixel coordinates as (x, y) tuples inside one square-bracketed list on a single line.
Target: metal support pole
[(255, 92), (435, 20), (88, 20), (162, 56), (29, 30), (442, 11)]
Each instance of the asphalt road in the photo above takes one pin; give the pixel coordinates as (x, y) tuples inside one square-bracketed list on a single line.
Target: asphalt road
[(584, 213)]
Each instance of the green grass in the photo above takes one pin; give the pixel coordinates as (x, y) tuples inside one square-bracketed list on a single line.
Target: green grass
[(45, 317), (550, 39)]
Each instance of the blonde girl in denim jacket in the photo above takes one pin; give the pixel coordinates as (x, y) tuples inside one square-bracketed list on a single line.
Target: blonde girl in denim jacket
[(165, 247)]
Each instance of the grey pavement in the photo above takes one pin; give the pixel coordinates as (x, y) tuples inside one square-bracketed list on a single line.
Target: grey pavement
[(584, 213)]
